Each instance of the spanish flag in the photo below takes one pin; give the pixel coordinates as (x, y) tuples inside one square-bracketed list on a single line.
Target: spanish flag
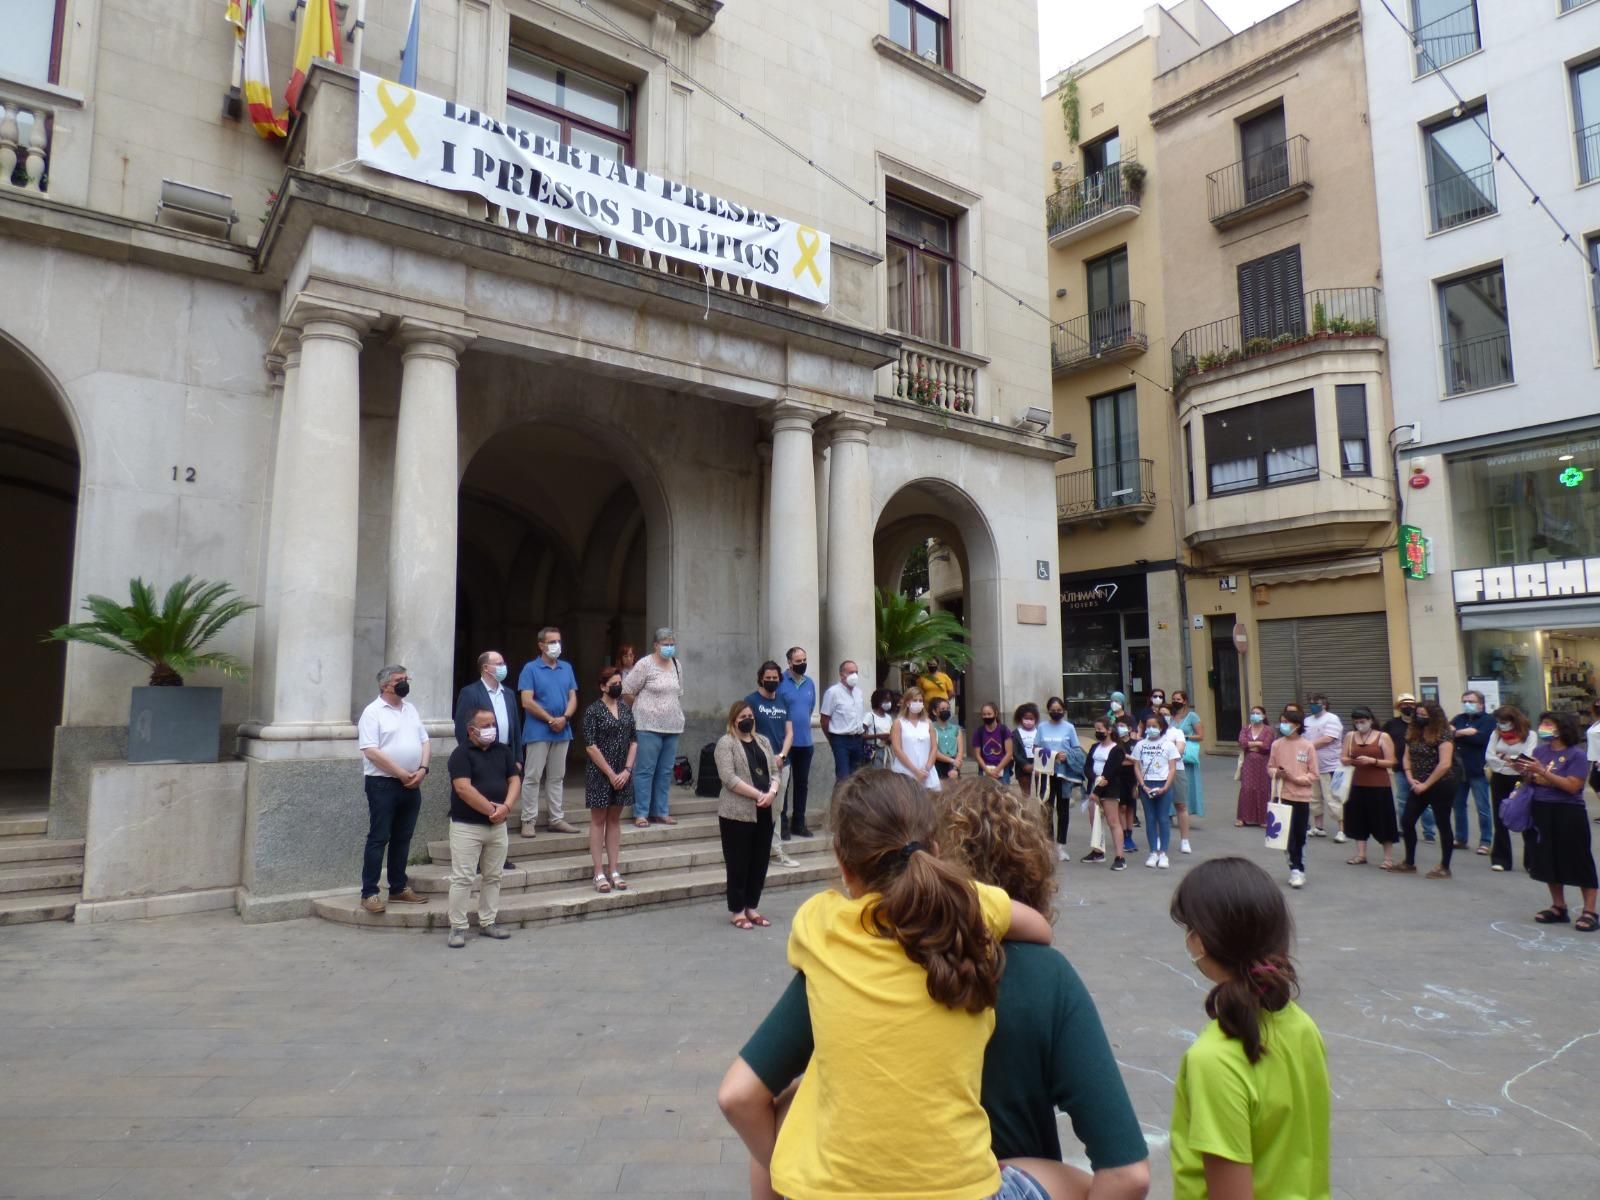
[(257, 85), (318, 38)]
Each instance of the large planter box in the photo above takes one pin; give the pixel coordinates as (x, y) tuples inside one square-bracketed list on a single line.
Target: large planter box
[(175, 725)]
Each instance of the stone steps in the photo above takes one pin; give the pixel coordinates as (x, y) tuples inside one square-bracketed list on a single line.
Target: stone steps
[(40, 879), (52, 876), (24, 908), (688, 828), (37, 849), (24, 824)]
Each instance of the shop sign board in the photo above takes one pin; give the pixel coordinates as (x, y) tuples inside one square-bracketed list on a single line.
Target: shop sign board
[(1528, 581), (1415, 560)]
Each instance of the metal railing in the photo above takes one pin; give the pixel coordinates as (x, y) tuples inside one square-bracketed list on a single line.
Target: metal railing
[(24, 145), (1476, 363), (1589, 153), (926, 376), (1457, 199), (1083, 339), (1119, 186), (1568, 5), (1326, 313), (1274, 171), (1454, 35), (1106, 488)]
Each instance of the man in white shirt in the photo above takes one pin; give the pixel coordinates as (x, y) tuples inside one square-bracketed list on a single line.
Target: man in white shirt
[(1325, 731), (394, 750), (844, 720)]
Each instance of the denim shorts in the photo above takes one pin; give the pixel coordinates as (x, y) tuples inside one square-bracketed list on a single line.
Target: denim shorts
[(1019, 1185)]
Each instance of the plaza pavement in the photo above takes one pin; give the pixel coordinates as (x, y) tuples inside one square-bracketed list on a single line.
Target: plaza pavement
[(198, 1057)]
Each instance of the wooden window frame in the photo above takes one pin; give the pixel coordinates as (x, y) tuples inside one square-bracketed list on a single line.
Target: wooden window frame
[(916, 250), (568, 120), (942, 23)]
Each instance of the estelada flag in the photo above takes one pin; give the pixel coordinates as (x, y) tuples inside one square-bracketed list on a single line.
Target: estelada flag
[(318, 38), (257, 84)]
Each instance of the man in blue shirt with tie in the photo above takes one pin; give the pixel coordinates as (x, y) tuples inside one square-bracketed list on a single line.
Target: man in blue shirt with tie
[(799, 696)]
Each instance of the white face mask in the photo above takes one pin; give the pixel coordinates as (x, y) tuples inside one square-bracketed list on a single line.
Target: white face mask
[(852, 679), (553, 649), (915, 708), (486, 733)]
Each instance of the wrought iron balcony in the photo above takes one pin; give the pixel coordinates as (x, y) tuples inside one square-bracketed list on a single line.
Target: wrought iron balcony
[(1125, 488), (1457, 199), (1261, 182), (1105, 198), (1454, 35), (1105, 335), (1327, 314), (1589, 153), (1472, 364)]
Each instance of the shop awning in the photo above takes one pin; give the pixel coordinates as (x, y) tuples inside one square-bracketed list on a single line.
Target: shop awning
[(1577, 613), (1313, 572)]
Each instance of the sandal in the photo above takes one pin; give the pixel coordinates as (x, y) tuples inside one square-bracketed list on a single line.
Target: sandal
[(641, 823), (602, 884), (1356, 862), (618, 882), (1238, 824), (740, 922), (1386, 865), (1552, 916), (1483, 850), (758, 919), (1588, 923)]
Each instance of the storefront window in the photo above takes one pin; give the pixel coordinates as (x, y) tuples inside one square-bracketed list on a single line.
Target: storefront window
[(1531, 503), (1515, 658), (1092, 666)]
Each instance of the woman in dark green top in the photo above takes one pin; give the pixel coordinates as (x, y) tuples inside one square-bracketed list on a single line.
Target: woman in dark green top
[(1049, 1050)]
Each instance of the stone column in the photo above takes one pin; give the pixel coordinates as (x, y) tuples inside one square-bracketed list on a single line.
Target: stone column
[(851, 617), (791, 584), (764, 567), (421, 613), (318, 510), (283, 369)]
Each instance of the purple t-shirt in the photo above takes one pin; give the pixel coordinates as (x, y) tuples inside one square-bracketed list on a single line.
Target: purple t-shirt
[(990, 744), (1571, 763)]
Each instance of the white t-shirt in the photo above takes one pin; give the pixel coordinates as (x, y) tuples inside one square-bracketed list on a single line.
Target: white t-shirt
[(1097, 759), (1321, 725), (1029, 737), (1594, 744), (1175, 736), (398, 732), (916, 743), (845, 708), (1155, 759)]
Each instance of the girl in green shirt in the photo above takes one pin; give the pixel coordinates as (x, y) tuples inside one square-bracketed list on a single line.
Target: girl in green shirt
[(1251, 1110)]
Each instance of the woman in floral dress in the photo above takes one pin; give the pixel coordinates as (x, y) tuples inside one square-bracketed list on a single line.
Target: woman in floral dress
[(1255, 785), (611, 745)]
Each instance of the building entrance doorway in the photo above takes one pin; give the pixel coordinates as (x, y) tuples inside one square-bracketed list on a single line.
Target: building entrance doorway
[(1227, 693)]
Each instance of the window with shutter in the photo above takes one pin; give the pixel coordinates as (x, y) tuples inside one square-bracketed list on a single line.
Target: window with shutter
[(1262, 445), (1271, 296)]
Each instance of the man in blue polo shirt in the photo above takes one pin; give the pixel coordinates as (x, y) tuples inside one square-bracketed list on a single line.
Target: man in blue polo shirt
[(799, 696), (548, 691)]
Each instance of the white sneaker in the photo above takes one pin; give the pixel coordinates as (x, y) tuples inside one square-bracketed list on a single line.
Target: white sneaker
[(1183, 846), (1061, 852), (1316, 831), (1297, 879), (1152, 860), (1339, 837), (1163, 863)]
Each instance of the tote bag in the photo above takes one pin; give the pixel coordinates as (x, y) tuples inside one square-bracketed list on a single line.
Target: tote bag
[(1278, 815)]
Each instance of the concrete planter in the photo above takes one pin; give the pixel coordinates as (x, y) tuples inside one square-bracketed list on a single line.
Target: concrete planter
[(175, 725)]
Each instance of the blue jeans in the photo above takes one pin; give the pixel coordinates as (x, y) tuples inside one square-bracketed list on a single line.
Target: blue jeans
[(849, 754), (1477, 784), (652, 784), (1158, 821), (1019, 1185), (392, 812)]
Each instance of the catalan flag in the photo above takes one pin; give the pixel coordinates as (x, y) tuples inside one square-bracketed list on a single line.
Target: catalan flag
[(257, 85), (318, 38)]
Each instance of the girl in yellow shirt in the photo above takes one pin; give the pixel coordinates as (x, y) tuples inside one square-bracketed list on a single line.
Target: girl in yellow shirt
[(901, 977)]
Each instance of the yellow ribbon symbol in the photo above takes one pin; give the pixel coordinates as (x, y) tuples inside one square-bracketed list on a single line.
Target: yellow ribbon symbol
[(395, 113), (809, 241)]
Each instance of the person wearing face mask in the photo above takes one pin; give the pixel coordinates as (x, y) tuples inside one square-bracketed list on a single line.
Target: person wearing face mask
[(991, 744), (1154, 758), (800, 694), (1473, 728), (1122, 732), (1024, 741), (1117, 708), (1325, 732), (844, 721), (911, 741), (483, 784), (394, 762), (1558, 854), (882, 723), (949, 742), (1369, 812), (612, 745), (1158, 698), (548, 690), (1255, 784), (1398, 727), (1106, 775), (1429, 761), (749, 775), (1512, 739), (1060, 755), (654, 690), (1292, 763), (772, 723), (489, 691), (1191, 801)]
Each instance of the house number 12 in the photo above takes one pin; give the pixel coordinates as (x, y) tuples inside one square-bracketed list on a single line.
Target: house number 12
[(188, 474)]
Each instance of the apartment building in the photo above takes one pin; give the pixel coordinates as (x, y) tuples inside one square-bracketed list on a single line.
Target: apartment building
[(1118, 503), (1279, 368), (414, 420), (1492, 335)]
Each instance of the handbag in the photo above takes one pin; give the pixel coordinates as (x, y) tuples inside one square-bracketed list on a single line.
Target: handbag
[(1278, 817), (1238, 768), (1516, 810)]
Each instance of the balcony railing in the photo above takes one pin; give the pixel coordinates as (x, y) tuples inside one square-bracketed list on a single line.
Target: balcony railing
[(1324, 315), (1278, 173), (1107, 489), (1568, 5), (935, 378), (24, 146), (1476, 363), (1454, 35), (1457, 199), (1589, 153), (1116, 331), (1105, 192)]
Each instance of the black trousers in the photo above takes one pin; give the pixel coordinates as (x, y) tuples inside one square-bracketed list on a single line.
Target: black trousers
[(392, 810), (1061, 798), (799, 783), (746, 849), (1299, 826), (1500, 786), (1439, 800)]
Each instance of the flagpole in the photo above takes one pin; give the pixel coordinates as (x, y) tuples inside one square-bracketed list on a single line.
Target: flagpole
[(358, 34)]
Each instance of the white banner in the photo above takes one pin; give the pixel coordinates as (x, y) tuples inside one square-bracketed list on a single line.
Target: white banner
[(421, 137)]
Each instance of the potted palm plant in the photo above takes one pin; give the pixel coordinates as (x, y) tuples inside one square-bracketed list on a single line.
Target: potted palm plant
[(910, 634), (167, 721)]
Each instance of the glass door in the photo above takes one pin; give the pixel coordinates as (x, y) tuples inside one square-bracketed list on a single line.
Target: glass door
[(1109, 315), (1263, 140)]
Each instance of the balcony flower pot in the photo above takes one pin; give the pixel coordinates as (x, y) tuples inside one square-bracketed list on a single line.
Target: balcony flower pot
[(168, 722)]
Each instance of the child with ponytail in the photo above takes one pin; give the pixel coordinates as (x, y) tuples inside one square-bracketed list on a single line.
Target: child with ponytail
[(901, 978), (1251, 1111)]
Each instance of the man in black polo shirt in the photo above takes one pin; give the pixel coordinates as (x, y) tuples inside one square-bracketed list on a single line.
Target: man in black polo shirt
[(483, 779)]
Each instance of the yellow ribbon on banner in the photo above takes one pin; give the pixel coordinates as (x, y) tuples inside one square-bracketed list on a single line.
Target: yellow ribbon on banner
[(809, 241), (395, 113)]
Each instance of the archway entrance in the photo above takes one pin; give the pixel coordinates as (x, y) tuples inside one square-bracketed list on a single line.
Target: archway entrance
[(39, 495)]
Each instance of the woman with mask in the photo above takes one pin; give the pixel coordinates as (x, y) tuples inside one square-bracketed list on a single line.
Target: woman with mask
[(1429, 767), (1193, 801), (1154, 756), (1369, 812), (1512, 739), (1056, 737), (654, 690), (911, 741), (1292, 762), (1558, 855), (1122, 734), (950, 741), (748, 770), (1024, 740), (880, 723), (1117, 708), (1106, 775), (991, 744), (1255, 784), (1398, 727), (611, 745)]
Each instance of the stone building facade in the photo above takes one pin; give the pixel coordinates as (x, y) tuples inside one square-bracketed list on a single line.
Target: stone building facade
[(411, 431)]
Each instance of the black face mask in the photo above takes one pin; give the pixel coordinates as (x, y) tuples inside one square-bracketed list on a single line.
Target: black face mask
[(769, 685), (1176, 705), (1408, 713), (614, 690), (1419, 720), (943, 714), (403, 688), (746, 724), (1101, 735), (991, 720), (1056, 716), (798, 668)]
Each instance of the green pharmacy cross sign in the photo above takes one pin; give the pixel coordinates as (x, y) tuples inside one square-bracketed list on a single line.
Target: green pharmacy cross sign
[(1414, 552), (1572, 477)]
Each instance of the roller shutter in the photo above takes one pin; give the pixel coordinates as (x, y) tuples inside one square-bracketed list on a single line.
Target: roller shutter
[(1345, 656)]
